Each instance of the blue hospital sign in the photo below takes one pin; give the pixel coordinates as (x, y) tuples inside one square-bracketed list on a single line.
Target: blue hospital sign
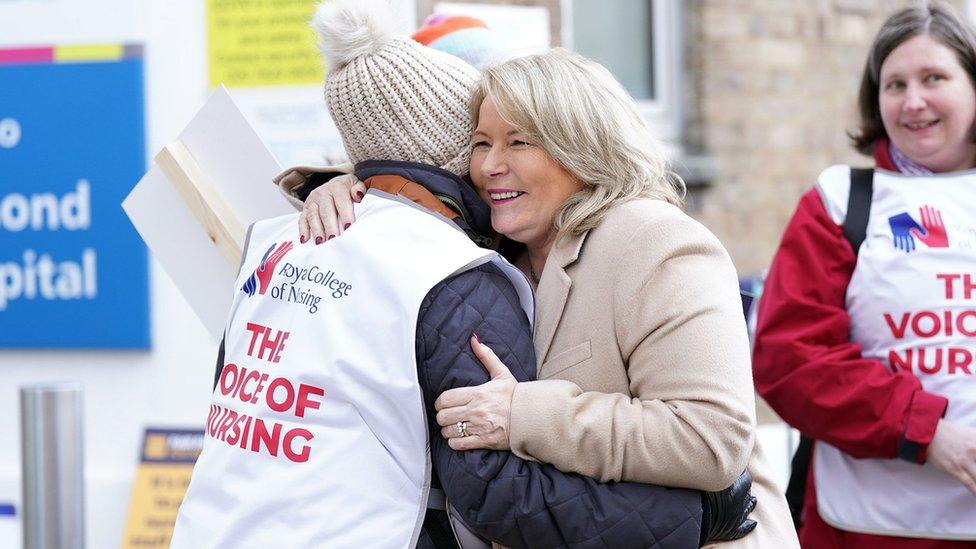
[(73, 270)]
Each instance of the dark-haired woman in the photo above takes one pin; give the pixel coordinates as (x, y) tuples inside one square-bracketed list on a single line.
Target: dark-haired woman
[(868, 349)]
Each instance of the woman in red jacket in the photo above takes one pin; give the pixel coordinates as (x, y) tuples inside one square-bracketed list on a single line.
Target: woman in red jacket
[(868, 351)]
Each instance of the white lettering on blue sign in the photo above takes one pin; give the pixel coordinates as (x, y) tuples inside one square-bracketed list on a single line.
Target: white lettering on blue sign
[(40, 276), (69, 257), (45, 211), (9, 133)]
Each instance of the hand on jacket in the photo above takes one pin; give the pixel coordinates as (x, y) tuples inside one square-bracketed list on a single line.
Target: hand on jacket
[(953, 450), (725, 514), (328, 208), (514, 502), (323, 211), (485, 410)]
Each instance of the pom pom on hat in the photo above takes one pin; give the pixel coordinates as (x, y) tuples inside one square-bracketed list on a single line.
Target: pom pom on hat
[(349, 29), (390, 97)]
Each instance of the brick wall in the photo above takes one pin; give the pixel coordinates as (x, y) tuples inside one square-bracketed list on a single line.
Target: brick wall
[(772, 87)]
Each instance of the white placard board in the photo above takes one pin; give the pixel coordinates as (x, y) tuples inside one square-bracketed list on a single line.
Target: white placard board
[(232, 157)]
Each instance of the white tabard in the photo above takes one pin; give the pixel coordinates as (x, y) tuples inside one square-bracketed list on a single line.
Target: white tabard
[(317, 434), (912, 303)]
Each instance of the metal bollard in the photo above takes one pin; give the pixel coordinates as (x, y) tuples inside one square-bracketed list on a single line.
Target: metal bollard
[(53, 473)]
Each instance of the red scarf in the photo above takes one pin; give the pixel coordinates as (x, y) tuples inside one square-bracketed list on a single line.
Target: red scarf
[(882, 159)]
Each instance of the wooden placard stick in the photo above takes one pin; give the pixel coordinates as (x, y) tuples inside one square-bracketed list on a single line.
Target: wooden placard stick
[(213, 213)]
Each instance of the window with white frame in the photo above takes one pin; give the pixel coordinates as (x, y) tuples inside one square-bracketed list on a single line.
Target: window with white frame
[(640, 42)]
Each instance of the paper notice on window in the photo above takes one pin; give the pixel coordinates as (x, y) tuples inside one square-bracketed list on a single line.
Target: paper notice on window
[(254, 43)]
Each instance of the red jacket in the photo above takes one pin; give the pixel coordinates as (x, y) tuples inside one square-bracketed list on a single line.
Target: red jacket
[(812, 374)]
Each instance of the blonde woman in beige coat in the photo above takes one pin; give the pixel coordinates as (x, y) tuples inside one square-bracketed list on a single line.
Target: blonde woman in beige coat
[(644, 371)]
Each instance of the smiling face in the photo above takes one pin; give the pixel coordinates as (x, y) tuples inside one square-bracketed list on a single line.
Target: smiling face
[(523, 184), (928, 105)]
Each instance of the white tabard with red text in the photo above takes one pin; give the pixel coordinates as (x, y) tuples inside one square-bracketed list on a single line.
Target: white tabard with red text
[(317, 434), (912, 303)]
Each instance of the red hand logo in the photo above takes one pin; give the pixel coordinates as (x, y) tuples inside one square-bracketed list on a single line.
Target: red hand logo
[(266, 269), (935, 233)]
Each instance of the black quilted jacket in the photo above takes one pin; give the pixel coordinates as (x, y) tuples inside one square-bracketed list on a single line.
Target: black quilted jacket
[(511, 501), (503, 498)]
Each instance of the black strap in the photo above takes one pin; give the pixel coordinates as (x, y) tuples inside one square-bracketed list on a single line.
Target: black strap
[(859, 206), (438, 528), (220, 365), (855, 231), (796, 490)]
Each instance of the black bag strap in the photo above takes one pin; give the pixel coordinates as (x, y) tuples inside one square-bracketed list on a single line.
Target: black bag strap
[(855, 231), (438, 529), (796, 489), (859, 206)]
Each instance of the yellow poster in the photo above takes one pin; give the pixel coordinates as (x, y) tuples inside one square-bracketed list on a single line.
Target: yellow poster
[(161, 479), (262, 43)]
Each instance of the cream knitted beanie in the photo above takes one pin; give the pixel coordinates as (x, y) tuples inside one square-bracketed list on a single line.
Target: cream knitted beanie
[(390, 97)]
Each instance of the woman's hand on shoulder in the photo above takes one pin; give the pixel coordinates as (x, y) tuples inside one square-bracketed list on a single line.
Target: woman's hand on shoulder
[(475, 418), (328, 210)]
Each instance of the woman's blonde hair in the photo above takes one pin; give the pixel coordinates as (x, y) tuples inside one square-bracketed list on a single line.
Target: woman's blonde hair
[(577, 112)]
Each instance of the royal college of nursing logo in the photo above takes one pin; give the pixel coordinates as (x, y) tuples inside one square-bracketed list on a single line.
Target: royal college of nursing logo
[(260, 279), (931, 232)]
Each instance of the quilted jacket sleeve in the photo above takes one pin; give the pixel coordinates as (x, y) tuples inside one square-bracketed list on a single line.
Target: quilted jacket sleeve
[(502, 497)]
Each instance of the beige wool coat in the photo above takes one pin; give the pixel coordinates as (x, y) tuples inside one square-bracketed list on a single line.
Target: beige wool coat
[(644, 365)]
